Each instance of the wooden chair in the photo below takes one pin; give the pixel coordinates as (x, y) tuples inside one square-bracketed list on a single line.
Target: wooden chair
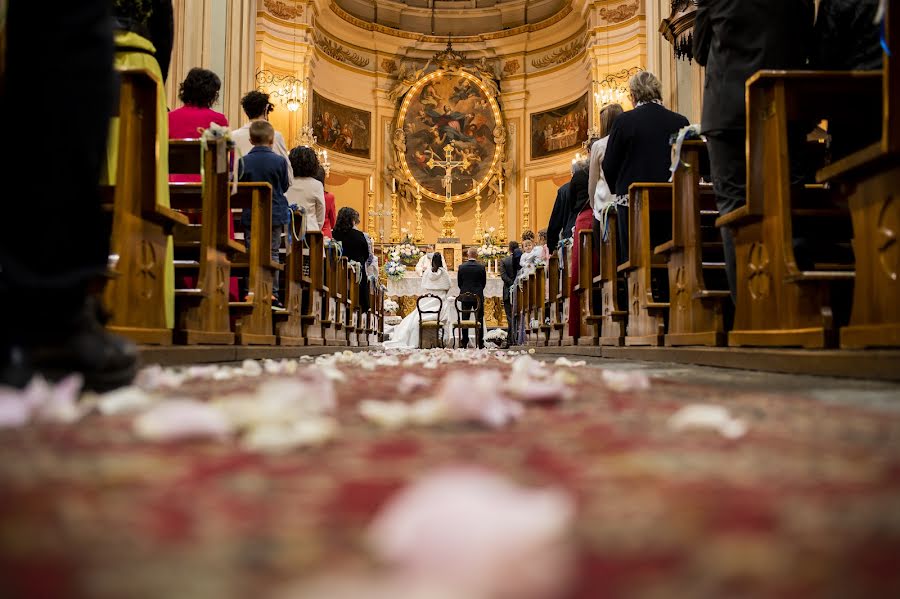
[(781, 301), (289, 325), (565, 290), (869, 179), (468, 318), (141, 228), (590, 316), (203, 312), (698, 285), (614, 320), (646, 271), (430, 321)]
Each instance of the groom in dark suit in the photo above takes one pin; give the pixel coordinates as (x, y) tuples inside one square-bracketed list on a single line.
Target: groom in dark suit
[(472, 277), (509, 270)]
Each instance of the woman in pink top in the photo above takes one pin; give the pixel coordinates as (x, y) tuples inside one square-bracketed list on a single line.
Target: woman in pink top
[(199, 91)]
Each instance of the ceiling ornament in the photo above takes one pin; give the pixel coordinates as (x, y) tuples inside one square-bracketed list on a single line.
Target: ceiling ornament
[(284, 9), (339, 53), (620, 13), (561, 55), (511, 67)]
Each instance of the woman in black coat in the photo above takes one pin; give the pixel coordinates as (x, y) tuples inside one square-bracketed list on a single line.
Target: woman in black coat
[(355, 247)]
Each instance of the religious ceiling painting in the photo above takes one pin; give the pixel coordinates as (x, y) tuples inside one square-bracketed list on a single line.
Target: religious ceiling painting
[(450, 115), (559, 130), (341, 128)]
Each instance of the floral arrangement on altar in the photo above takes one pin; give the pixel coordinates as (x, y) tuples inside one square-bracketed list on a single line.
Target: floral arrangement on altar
[(394, 269), (490, 250), (406, 252)]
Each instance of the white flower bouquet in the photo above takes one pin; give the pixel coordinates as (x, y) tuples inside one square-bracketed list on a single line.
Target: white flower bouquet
[(394, 270), (390, 306)]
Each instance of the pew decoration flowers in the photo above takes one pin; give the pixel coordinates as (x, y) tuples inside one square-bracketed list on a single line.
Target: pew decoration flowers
[(331, 243)]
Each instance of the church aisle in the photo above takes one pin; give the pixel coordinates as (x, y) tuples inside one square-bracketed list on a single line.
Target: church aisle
[(683, 482)]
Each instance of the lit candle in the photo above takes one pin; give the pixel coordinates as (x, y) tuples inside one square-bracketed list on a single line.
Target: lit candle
[(371, 183), (325, 155), (526, 183), (501, 186), (393, 185), (417, 189)]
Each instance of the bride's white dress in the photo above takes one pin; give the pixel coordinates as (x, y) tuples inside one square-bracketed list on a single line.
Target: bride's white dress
[(406, 334)]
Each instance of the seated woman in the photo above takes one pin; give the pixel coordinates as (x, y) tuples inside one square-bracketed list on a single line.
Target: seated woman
[(355, 247), (435, 281)]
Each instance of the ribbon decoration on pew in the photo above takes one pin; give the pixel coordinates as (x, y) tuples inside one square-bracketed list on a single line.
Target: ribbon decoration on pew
[(216, 131), (689, 132), (302, 234), (357, 269), (337, 244)]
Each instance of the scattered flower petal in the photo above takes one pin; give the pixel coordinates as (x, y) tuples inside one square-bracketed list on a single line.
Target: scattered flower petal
[(707, 416), (178, 419), (625, 380)]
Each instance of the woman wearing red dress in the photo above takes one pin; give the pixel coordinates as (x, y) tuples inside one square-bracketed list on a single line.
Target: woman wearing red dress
[(330, 208)]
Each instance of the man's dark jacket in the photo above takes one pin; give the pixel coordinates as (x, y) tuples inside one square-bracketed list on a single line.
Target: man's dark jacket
[(734, 39)]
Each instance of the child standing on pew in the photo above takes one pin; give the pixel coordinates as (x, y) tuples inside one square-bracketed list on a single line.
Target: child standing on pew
[(263, 165)]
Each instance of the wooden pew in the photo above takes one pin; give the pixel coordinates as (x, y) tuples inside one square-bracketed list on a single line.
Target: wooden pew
[(541, 307), (315, 302), (698, 285), (565, 275), (557, 319), (646, 271), (202, 313), (869, 179), (351, 307), (289, 326), (614, 320), (330, 306), (590, 313), (781, 301), (141, 228)]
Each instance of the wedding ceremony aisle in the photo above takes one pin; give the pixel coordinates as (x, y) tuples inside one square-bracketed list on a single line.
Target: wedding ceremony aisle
[(450, 474)]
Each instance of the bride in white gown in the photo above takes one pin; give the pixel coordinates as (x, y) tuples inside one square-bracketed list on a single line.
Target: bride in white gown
[(435, 281)]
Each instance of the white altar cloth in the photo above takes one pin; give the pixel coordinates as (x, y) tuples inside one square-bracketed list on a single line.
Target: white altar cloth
[(411, 285)]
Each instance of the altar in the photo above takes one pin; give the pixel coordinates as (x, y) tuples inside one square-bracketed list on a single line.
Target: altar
[(406, 290)]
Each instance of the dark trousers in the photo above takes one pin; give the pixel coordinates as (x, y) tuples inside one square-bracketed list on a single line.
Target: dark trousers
[(507, 307), (728, 167), (467, 309), (277, 232), (54, 239)]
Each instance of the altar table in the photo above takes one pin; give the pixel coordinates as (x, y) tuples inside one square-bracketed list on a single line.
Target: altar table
[(407, 290)]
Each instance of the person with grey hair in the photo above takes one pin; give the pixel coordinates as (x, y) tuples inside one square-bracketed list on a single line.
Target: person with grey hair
[(638, 149)]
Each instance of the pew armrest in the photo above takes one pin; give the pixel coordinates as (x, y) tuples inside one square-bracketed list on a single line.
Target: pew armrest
[(664, 248), (868, 156), (624, 267), (734, 217), (815, 276), (165, 216)]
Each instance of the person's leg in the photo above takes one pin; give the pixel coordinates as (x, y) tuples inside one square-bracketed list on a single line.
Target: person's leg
[(277, 231), (507, 307), (727, 160), (46, 282), (479, 332), (622, 220), (466, 315)]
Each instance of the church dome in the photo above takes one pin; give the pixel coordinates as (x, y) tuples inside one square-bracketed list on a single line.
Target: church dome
[(453, 17)]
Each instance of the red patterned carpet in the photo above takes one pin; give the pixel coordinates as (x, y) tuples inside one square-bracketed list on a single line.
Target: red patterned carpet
[(805, 504)]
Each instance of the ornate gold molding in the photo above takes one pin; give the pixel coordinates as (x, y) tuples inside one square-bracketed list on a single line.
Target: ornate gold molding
[(283, 9), (623, 12), (561, 55), (339, 53)]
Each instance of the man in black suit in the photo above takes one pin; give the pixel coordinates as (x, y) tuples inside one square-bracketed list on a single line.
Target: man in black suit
[(734, 39), (638, 149), (509, 270), (472, 277), (561, 219)]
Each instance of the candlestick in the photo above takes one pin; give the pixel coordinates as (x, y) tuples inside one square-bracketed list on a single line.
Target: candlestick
[(526, 183), (478, 237), (420, 235), (501, 225), (501, 186), (395, 216), (393, 185), (372, 216), (371, 183), (526, 211)]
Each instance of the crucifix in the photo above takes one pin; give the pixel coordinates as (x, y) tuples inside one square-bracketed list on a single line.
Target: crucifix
[(448, 221)]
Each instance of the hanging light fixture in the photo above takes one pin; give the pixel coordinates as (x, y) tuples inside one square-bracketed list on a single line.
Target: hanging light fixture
[(297, 97)]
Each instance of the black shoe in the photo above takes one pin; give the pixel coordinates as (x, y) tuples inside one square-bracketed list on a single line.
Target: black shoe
[(15, 367), (105, 360)]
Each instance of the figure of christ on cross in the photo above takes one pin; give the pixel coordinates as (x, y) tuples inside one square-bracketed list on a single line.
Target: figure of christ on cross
[(448, 221)]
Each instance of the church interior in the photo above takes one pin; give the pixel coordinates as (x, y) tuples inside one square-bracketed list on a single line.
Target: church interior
[(561, 299)]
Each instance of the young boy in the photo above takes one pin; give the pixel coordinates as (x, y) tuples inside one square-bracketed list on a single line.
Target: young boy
[(260, 165)]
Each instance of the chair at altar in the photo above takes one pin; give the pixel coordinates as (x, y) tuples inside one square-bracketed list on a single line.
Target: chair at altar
[(431, 330)]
